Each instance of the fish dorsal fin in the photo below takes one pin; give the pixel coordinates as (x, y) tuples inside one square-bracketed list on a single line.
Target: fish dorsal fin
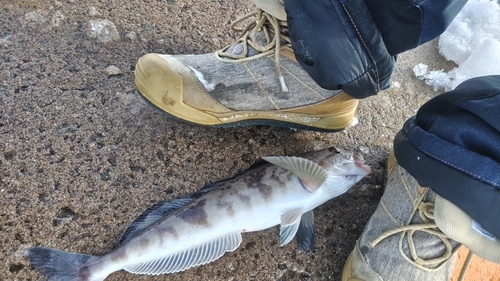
[(160, 210), (289, 225), (305, 233), (193, 256), (152, 215), (311, 174)]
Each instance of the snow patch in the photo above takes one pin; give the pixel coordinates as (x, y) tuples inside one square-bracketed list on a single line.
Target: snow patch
[(208, 86), (472, 41)]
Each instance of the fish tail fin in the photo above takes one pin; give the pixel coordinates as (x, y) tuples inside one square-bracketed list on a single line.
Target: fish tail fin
[(59, 265)]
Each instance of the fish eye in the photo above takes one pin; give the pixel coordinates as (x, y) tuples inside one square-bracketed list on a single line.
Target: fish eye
[(333, 149)]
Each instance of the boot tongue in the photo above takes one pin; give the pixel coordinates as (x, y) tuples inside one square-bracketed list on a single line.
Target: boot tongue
[(276, 8)]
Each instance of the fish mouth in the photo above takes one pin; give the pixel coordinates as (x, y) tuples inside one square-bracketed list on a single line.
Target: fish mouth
[(360, 171), (352, 167), (359, 161)]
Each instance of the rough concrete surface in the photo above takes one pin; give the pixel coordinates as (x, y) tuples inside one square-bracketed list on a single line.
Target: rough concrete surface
[(82, 154)]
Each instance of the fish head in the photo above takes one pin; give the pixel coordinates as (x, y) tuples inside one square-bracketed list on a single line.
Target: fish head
[(344, 168)]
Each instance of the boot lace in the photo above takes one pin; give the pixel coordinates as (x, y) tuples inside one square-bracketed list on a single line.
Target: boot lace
[(266, 24), (426, 213)]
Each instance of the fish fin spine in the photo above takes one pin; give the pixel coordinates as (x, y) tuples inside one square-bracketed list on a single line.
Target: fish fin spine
[(311, 175)]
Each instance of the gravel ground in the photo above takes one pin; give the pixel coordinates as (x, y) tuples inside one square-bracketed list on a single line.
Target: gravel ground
[(81, 154)]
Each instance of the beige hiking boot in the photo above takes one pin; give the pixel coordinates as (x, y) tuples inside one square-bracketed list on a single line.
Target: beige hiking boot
[(401, 241), (255, 81), (414, 234)]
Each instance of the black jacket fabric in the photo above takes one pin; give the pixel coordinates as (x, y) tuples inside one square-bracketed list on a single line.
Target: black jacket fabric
[(351, 44)]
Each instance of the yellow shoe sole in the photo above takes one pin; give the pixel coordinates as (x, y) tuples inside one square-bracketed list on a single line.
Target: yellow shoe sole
[(164, 88)]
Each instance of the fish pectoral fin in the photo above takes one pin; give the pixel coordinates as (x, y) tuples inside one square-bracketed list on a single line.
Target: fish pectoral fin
[(311, 174), (289, 225), (196, 255), (305, 233)]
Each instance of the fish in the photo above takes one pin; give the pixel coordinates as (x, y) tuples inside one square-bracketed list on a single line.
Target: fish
[(192, 230)]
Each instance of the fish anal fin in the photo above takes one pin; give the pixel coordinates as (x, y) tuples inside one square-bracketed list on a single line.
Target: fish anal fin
[(311, 174), (290, 222), (197, 255), (287, 232), (291, 217)]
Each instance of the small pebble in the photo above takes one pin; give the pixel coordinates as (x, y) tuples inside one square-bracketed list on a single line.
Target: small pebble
[(132, 36), (105, 176), (93, 11), (113, 70), (57, 18)]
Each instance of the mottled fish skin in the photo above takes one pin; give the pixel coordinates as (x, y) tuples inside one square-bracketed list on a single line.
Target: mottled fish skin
[(260, 198)]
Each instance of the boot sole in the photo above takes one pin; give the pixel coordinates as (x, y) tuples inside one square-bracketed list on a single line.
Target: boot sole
[(248, 122), (168, 98)]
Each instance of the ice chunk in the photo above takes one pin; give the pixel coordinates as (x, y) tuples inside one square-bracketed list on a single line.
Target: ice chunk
[(354, 122), (113, 70), (484, 60), (102, 30), (477, 21), (420, 70), (436, 78), (472, 41)]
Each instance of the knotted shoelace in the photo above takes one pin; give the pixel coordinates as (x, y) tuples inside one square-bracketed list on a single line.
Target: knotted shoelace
[(270, 26), (426, 213)]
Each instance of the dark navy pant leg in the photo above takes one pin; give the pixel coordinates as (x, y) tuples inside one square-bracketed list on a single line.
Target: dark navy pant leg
[(339, 46), (352, 44), (452, 146)]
